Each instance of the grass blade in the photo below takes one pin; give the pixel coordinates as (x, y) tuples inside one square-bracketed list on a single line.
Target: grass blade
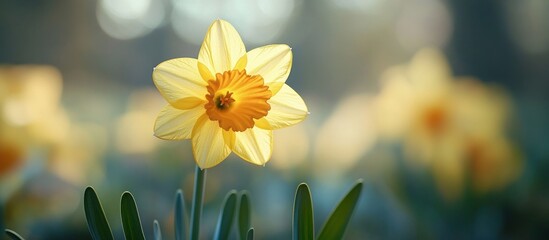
[(250, 234), (13, 235), (95, 216), (130, 218), (303, 221), (156, 230), (226, 217), (180, 219), (335, 226), (244, 217)]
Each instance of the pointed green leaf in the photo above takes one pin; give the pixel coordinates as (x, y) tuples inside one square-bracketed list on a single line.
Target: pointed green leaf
[(180, 219), (225, 219), (335, 226), (95, 216), (250, 234), (156, 230), (244, 215), (130, 218), (303, 221), (13, 235)]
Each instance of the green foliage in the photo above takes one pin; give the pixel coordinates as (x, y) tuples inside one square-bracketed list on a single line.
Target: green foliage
[(335, 226), (95, 216), (303, 221), (156, 230), (244, 218), (226, 217), (180, 219), (130, 218), (250, 234), (13, 235)]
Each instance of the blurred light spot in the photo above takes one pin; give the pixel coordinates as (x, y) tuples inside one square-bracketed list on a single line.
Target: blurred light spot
[(346, 136), (127, 19), (33, 93), (257, 21), (356, 5), (78, 159), (423, 23), (14, 112), (126, 9), (291, 147), (131, 136), (276, 9), (529, 24), (53, 128)]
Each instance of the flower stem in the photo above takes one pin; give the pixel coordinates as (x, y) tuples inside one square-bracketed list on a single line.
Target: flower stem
[(198, 199), (2, 227)]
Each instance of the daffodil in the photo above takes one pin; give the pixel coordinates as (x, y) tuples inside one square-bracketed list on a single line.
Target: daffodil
[(455, 125), (228, 100)]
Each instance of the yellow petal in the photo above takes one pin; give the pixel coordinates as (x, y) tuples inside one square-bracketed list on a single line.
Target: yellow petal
[(429, 70), (254, 145), (205, 72), (176, 124), (272, 62), (209, 146), (180, 83), (222, 47), (287, 108)]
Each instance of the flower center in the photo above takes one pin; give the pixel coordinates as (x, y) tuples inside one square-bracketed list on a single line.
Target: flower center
[(224, 101), (436, 120), (235, 99)]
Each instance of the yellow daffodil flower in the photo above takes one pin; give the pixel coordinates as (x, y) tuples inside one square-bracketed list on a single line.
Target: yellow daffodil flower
[(455, 125), (227, 100)]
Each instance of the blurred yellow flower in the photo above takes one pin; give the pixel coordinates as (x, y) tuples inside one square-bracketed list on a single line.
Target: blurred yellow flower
[(131, 137), (455, 126), (346, 135), (228, 99), (33, 120), (11, 156), (29, 96)]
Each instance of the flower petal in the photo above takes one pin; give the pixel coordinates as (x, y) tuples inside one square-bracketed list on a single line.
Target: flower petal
[(254, 145), (287, 109), (180, 83), (176, 124), (222, 48), (209, 146), (272, 62)]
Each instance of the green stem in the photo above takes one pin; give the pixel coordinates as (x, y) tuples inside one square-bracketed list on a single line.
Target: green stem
[(198, 199), (2, 227)]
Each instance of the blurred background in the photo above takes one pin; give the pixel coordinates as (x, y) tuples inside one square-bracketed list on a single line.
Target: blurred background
[(441, 106)]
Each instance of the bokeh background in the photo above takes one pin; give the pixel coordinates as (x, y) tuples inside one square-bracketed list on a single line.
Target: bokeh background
[(441, 106)]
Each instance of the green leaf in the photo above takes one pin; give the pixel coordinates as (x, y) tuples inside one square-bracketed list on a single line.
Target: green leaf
[(130, 218), (13, 235), (225, 219), (95, 216), (156, 230), (303, 221), (335, 226), (250, 234), (180, 219), (244, 215)]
